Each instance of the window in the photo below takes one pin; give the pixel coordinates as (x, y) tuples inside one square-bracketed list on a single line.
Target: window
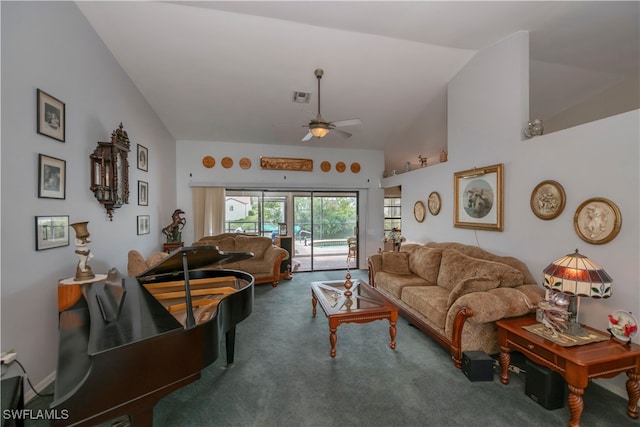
[(392, 213)]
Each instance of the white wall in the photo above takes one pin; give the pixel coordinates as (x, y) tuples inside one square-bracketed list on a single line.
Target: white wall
[(50, 45), (191, 172), (487, 112)]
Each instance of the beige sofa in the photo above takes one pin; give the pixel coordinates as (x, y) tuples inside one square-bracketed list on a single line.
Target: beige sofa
[(267, 257), (454, 292)]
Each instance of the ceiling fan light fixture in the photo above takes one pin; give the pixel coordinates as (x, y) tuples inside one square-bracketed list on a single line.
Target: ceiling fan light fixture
[(318, 130)]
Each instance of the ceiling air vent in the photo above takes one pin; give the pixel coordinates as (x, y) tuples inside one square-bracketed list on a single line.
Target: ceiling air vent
[(301, 97)]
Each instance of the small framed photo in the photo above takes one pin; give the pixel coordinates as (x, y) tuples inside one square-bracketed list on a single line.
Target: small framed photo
[(143, 158), (478, 198), (144, 224), (52, 176), (52, 232), (143, 193), (597, 220), (51, 116)]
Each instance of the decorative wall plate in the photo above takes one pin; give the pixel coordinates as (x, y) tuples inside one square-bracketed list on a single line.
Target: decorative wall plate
[(623, 325), (325, 166), (597, 220), (341, 167), (355, 167), (434, 203), (419, 211), (208, 161), (547, 200), (227, 162), (245, 163)]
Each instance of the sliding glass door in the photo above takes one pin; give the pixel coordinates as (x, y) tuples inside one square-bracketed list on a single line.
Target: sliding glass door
[(323, 224)]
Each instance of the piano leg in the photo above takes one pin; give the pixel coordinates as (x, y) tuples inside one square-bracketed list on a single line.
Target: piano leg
[(230, 340)]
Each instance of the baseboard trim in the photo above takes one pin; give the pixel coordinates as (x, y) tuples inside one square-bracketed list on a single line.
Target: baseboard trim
[(29, 394)]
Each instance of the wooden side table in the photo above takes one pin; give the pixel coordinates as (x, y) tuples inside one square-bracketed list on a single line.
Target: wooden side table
[(577, 364), (170, 247)]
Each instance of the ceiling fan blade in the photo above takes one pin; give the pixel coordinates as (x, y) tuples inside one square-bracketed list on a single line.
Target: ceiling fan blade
[(307, 137), (348, 122), (341, 133)]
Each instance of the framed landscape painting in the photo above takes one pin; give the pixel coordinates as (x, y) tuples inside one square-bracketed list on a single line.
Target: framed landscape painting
[(51, 116), (478, 198), (52, 232)]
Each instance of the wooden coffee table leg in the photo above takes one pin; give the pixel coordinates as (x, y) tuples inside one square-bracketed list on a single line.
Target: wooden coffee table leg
[(333, 338), (505, 361), (392, 333), (576, 405), (633, 390), (314, 301)]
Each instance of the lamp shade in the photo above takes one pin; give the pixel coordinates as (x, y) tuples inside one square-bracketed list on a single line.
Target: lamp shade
[(319, 130), (575, 274)]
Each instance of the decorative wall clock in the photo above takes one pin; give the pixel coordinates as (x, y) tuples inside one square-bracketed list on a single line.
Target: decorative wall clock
[(434, 203), (419, 211)]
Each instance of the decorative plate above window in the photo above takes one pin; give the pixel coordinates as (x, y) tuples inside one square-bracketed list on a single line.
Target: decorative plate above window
[(110, 171)]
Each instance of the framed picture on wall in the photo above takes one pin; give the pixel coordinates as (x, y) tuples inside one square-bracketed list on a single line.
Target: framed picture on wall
[(143, 158), (478, 198), (51, 116), (52, 232), (144, 224), (143, 193), (52, 176)]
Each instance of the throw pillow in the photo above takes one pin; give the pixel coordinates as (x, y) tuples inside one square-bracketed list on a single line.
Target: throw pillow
[(155, 258), (395, 262), (136, 263), (425, 263), (456, 267)]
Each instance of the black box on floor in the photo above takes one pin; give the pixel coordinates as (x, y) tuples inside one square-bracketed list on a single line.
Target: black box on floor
[(477, 366), (544, 386)]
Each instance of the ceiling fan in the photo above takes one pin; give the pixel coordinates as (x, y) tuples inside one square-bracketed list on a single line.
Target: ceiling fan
[(319, 127)]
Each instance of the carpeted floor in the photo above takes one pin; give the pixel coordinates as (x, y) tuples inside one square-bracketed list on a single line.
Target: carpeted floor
[(283, 376)]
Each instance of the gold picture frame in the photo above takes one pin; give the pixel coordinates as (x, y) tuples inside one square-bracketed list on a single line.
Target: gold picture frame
[(478, 198), (547, 200), (597, 220), (434, 202), (419, 211)]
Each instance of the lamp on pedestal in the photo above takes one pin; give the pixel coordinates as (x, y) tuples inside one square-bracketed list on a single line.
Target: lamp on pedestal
[(575, 276)]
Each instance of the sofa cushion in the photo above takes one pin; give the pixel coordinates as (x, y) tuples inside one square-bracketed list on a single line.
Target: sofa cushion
[(395, 262), (226, 244), (154, 258), (393, 283), (430, 301), (425, 263), (135, 263), (470, 285), (255, 244), (456, 267)]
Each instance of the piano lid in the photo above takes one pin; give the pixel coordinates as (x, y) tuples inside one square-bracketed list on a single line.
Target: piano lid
[(196, 256)]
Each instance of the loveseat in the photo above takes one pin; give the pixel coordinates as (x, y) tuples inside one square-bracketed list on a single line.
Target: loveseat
[(264, 266), (454, 292)]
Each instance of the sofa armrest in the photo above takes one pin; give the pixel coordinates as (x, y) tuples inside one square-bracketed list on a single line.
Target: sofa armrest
[(375, 264), (273, 253)]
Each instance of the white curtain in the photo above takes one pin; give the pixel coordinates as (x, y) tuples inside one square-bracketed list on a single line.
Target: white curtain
[(208, 211)]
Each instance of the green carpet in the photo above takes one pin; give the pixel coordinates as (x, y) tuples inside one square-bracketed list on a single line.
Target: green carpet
[(283, 376)]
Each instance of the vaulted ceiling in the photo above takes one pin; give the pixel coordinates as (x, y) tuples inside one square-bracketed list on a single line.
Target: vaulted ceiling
[(227, 71)]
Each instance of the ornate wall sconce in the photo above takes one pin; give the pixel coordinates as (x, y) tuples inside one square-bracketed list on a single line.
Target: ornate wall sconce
[(110, 171), (534, 128)]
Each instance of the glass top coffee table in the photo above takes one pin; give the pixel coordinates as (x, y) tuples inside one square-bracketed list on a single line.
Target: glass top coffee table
[(346, 301)]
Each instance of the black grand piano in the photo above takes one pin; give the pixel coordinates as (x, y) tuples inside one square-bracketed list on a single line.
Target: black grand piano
[(131, 341)]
